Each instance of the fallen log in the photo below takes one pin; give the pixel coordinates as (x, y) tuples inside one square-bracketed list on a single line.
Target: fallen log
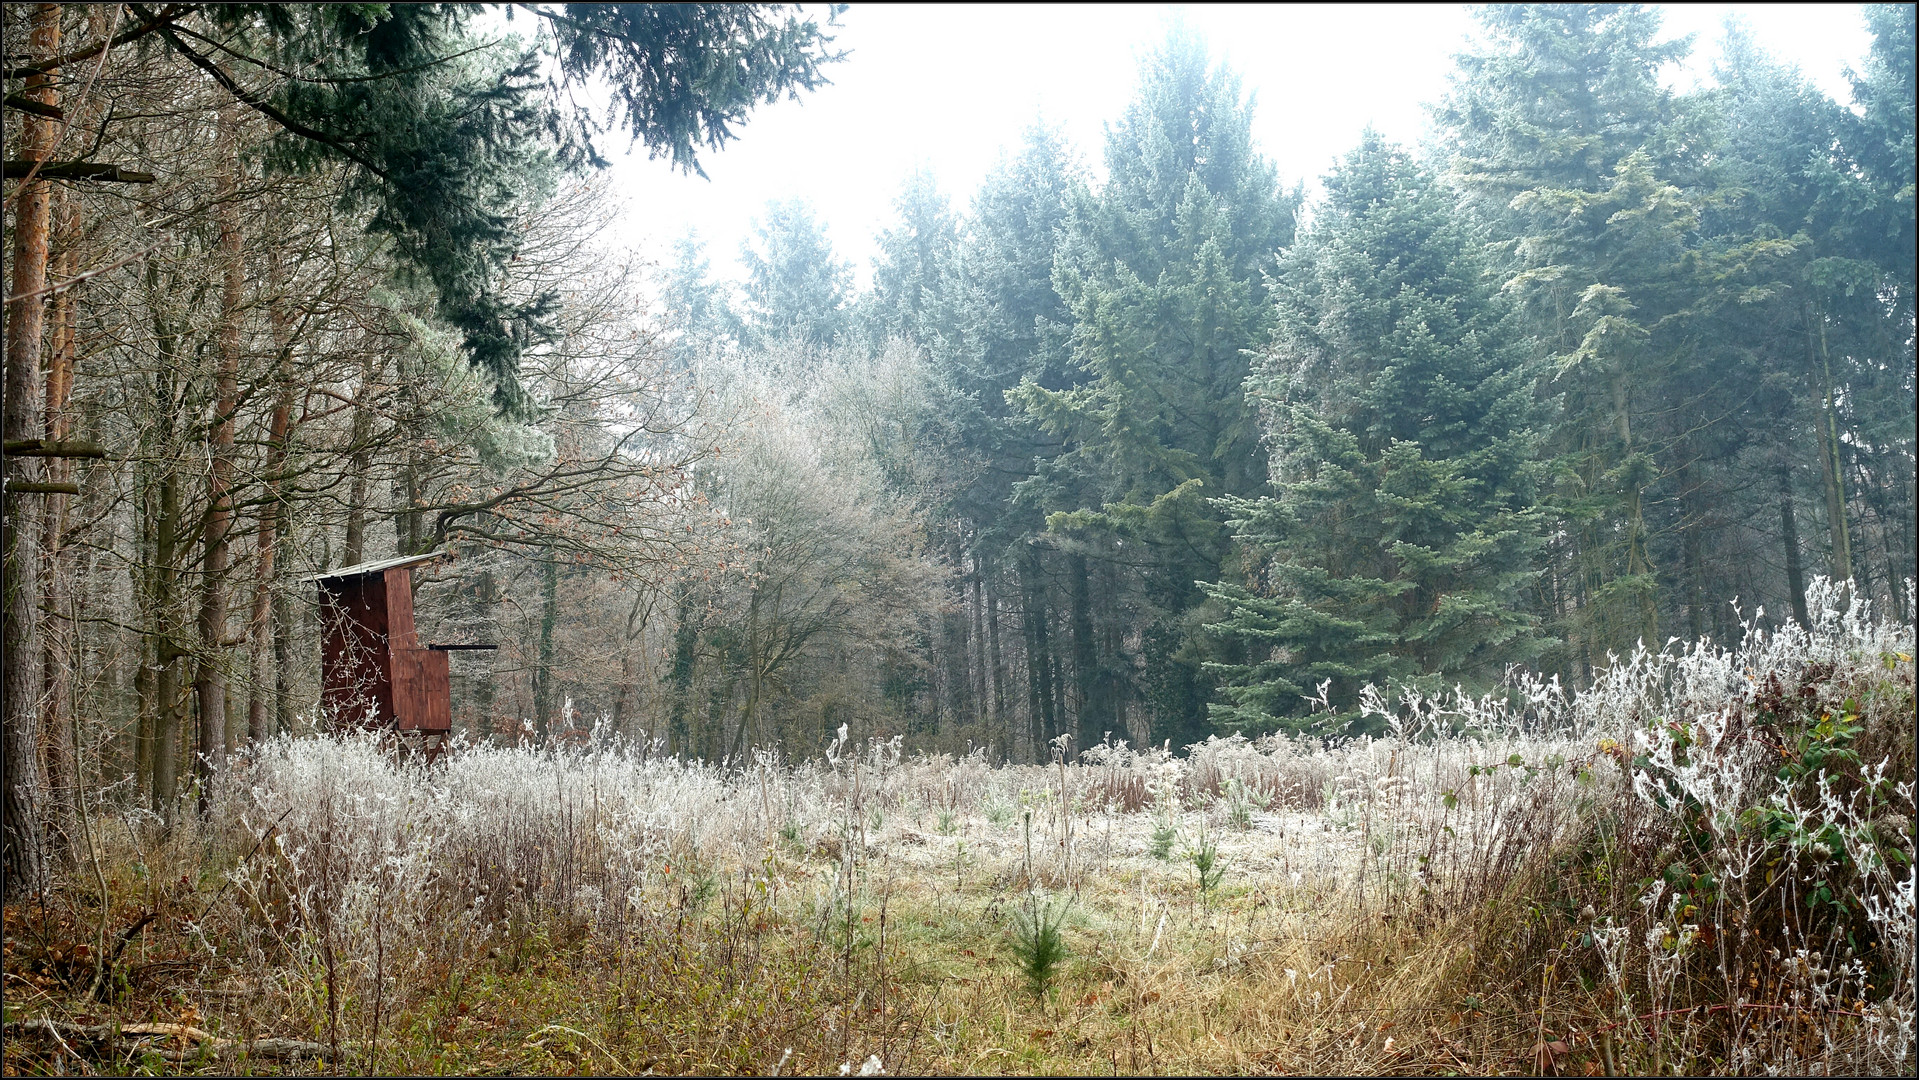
[(120, 1038)]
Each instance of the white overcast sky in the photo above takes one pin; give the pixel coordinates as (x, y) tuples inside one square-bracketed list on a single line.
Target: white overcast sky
[(952, 87)]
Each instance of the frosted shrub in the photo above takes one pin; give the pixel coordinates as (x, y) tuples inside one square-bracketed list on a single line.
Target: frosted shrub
[(1784, 858)]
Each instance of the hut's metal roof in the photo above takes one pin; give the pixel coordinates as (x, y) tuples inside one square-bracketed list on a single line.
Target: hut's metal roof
[(360, 569)]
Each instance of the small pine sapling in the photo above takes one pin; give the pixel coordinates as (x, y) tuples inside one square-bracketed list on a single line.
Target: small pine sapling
[(1037, 943), (1165, 833), (1241, 801), (1205, 859)]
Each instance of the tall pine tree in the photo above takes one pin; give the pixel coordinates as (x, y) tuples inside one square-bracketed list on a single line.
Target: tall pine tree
[(1402, 541), (795, 286), (1577, 163), (697, 310), (1164, 274), (914, 263)]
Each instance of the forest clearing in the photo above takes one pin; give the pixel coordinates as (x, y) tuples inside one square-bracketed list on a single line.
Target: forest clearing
[(1258, 547), (1617, 882)]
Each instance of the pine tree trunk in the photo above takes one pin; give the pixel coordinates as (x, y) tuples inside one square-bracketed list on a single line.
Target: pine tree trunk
[(166, 652), (543, 670), (1789, 532), (1105, 716), (1039, 684), (23, 863), (980, 661), (57, 629), (209, 681), (1695, 563), (359, 464), (1638, 561), (260, 624), (1085, 648), (958, 678), (1894, 522), (1831, 466), (282, 618), (997, 668)]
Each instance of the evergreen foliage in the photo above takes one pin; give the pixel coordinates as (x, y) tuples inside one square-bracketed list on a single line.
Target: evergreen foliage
[(696, 305), (1037, 944), (1163, 272), (796, 288), (1105, 453), (1004, 323), (1404, 531), (683, 76), (450, 148), (913, 266), (1578, 161)]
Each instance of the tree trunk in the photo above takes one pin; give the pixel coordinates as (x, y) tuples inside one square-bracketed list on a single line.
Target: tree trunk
[(997, 667), (1895, 523), (1108, 691), (260, 629), (954, 648), (686, 639), (982, 674), (360, 462), (411, 524), (57, 628), (1832, 467), (543, 669), (282, 618), (637, 618), (1690, 542), (1085, 649), (1789, 531), (23, 862), (486, 592), (166, 652), (209, 681), (1039, 686)]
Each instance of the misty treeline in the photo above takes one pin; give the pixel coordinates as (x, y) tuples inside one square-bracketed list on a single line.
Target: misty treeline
[(1151, 451), (1193, 455)]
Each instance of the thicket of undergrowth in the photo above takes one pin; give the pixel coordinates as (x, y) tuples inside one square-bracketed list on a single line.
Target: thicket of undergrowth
[(1703, 862)]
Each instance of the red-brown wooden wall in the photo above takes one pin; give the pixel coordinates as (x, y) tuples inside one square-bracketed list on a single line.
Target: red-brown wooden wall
[(374, 675)]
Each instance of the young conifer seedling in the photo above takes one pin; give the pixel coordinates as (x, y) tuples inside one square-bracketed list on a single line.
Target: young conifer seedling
[(1037, 943)]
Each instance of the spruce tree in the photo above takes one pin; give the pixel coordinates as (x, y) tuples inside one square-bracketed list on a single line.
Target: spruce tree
[(1005, 323), (1585, 172), (914, 263), (1403, 535), (696, 306), (448, 140), (1164, 274), (795, 286)]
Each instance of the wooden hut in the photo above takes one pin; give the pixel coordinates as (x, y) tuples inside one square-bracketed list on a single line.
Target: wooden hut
[(374, 675)]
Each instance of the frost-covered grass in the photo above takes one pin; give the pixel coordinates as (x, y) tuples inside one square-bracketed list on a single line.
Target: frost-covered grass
[(1702, 863)]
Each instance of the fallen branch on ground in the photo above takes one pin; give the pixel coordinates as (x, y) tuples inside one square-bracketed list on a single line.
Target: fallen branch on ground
[(125, 1037)]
